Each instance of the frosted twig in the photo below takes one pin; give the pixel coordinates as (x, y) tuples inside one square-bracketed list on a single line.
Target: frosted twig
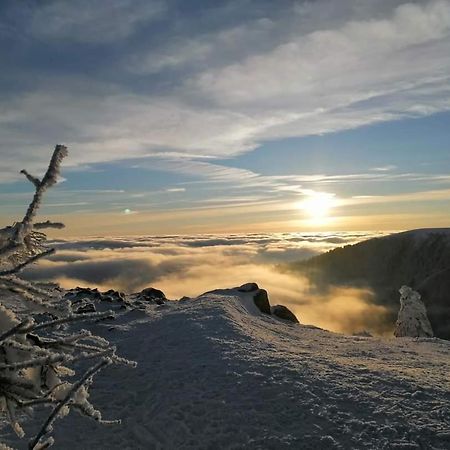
[(38, 401), (49, 180), (70, 318), (26, 285), (76, 386), (91, 413), (17, 328), (16, 382), (30, 260), (12, 418), (35, 362), (9, 249), (116, 359), (83, 334), (57, 358), (48, 224), (26, 348), (31, 178)]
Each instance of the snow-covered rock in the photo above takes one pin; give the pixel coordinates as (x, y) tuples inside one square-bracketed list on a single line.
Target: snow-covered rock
[(412, 318)]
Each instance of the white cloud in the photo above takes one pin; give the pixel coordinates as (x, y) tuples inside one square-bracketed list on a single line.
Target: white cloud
[(175, 55), (343, 63), (387, 168), (97, 21), (325, 72), (208, 49), (176, 189), (421, 196)]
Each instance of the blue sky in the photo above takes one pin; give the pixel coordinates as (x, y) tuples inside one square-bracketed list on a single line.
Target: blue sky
[(229, 115)]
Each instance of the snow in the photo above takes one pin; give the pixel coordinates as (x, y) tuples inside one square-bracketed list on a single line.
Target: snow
[(213, 372), (427, 231), (412, 318), (422, 234)]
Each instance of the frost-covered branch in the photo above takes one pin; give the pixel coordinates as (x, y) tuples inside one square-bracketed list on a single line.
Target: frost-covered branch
[(20, 240), (16, 329), (40, 343), (74, 389), (34, 180), (30, 260), (50, 178), (48, 224)]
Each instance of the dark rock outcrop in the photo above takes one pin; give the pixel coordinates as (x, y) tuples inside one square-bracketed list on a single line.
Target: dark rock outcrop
[(113, 296), (284, 313), (248, 287), (151, 294), (82, 297), (261, 300)]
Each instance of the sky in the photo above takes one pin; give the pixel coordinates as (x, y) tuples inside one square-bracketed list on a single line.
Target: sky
[(228, 116)]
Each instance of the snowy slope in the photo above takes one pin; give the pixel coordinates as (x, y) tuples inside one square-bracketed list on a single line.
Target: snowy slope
[(215, 373)]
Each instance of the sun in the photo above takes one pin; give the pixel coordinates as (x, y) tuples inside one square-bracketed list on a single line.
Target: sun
[(318, 206)]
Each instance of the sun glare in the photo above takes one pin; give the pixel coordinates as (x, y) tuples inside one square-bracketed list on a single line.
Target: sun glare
[(318, 206)]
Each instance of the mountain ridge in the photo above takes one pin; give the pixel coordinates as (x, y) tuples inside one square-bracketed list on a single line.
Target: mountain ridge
[(416, 258)]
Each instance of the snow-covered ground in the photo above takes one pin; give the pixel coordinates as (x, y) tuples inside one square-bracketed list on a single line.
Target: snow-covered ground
[(215, 373)]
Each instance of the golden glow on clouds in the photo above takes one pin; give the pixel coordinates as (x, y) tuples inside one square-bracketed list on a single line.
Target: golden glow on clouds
[(317, 211)]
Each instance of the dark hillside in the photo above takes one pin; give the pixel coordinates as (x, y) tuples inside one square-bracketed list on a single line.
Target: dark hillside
[(418, 258)]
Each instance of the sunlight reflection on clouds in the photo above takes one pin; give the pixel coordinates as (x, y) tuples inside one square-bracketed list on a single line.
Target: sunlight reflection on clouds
[(191, 265)]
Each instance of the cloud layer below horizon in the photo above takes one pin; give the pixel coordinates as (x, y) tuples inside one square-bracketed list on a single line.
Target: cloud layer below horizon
[(190, 265)]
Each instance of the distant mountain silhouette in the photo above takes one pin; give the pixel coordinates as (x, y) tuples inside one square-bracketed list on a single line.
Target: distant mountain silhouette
[(418, 258)]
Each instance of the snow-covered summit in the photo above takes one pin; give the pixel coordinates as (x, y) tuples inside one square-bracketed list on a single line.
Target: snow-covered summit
[(214, 372), (426, 232)]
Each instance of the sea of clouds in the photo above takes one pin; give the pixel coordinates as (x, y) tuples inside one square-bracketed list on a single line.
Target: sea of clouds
[(191, 265)]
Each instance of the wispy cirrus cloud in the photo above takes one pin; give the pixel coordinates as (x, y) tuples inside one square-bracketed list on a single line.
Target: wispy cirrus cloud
[(421, 196), (386, 168), (85, 21), (314, 70)]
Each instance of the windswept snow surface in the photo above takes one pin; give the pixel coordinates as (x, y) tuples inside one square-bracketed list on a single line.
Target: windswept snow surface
[(215, 373)]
